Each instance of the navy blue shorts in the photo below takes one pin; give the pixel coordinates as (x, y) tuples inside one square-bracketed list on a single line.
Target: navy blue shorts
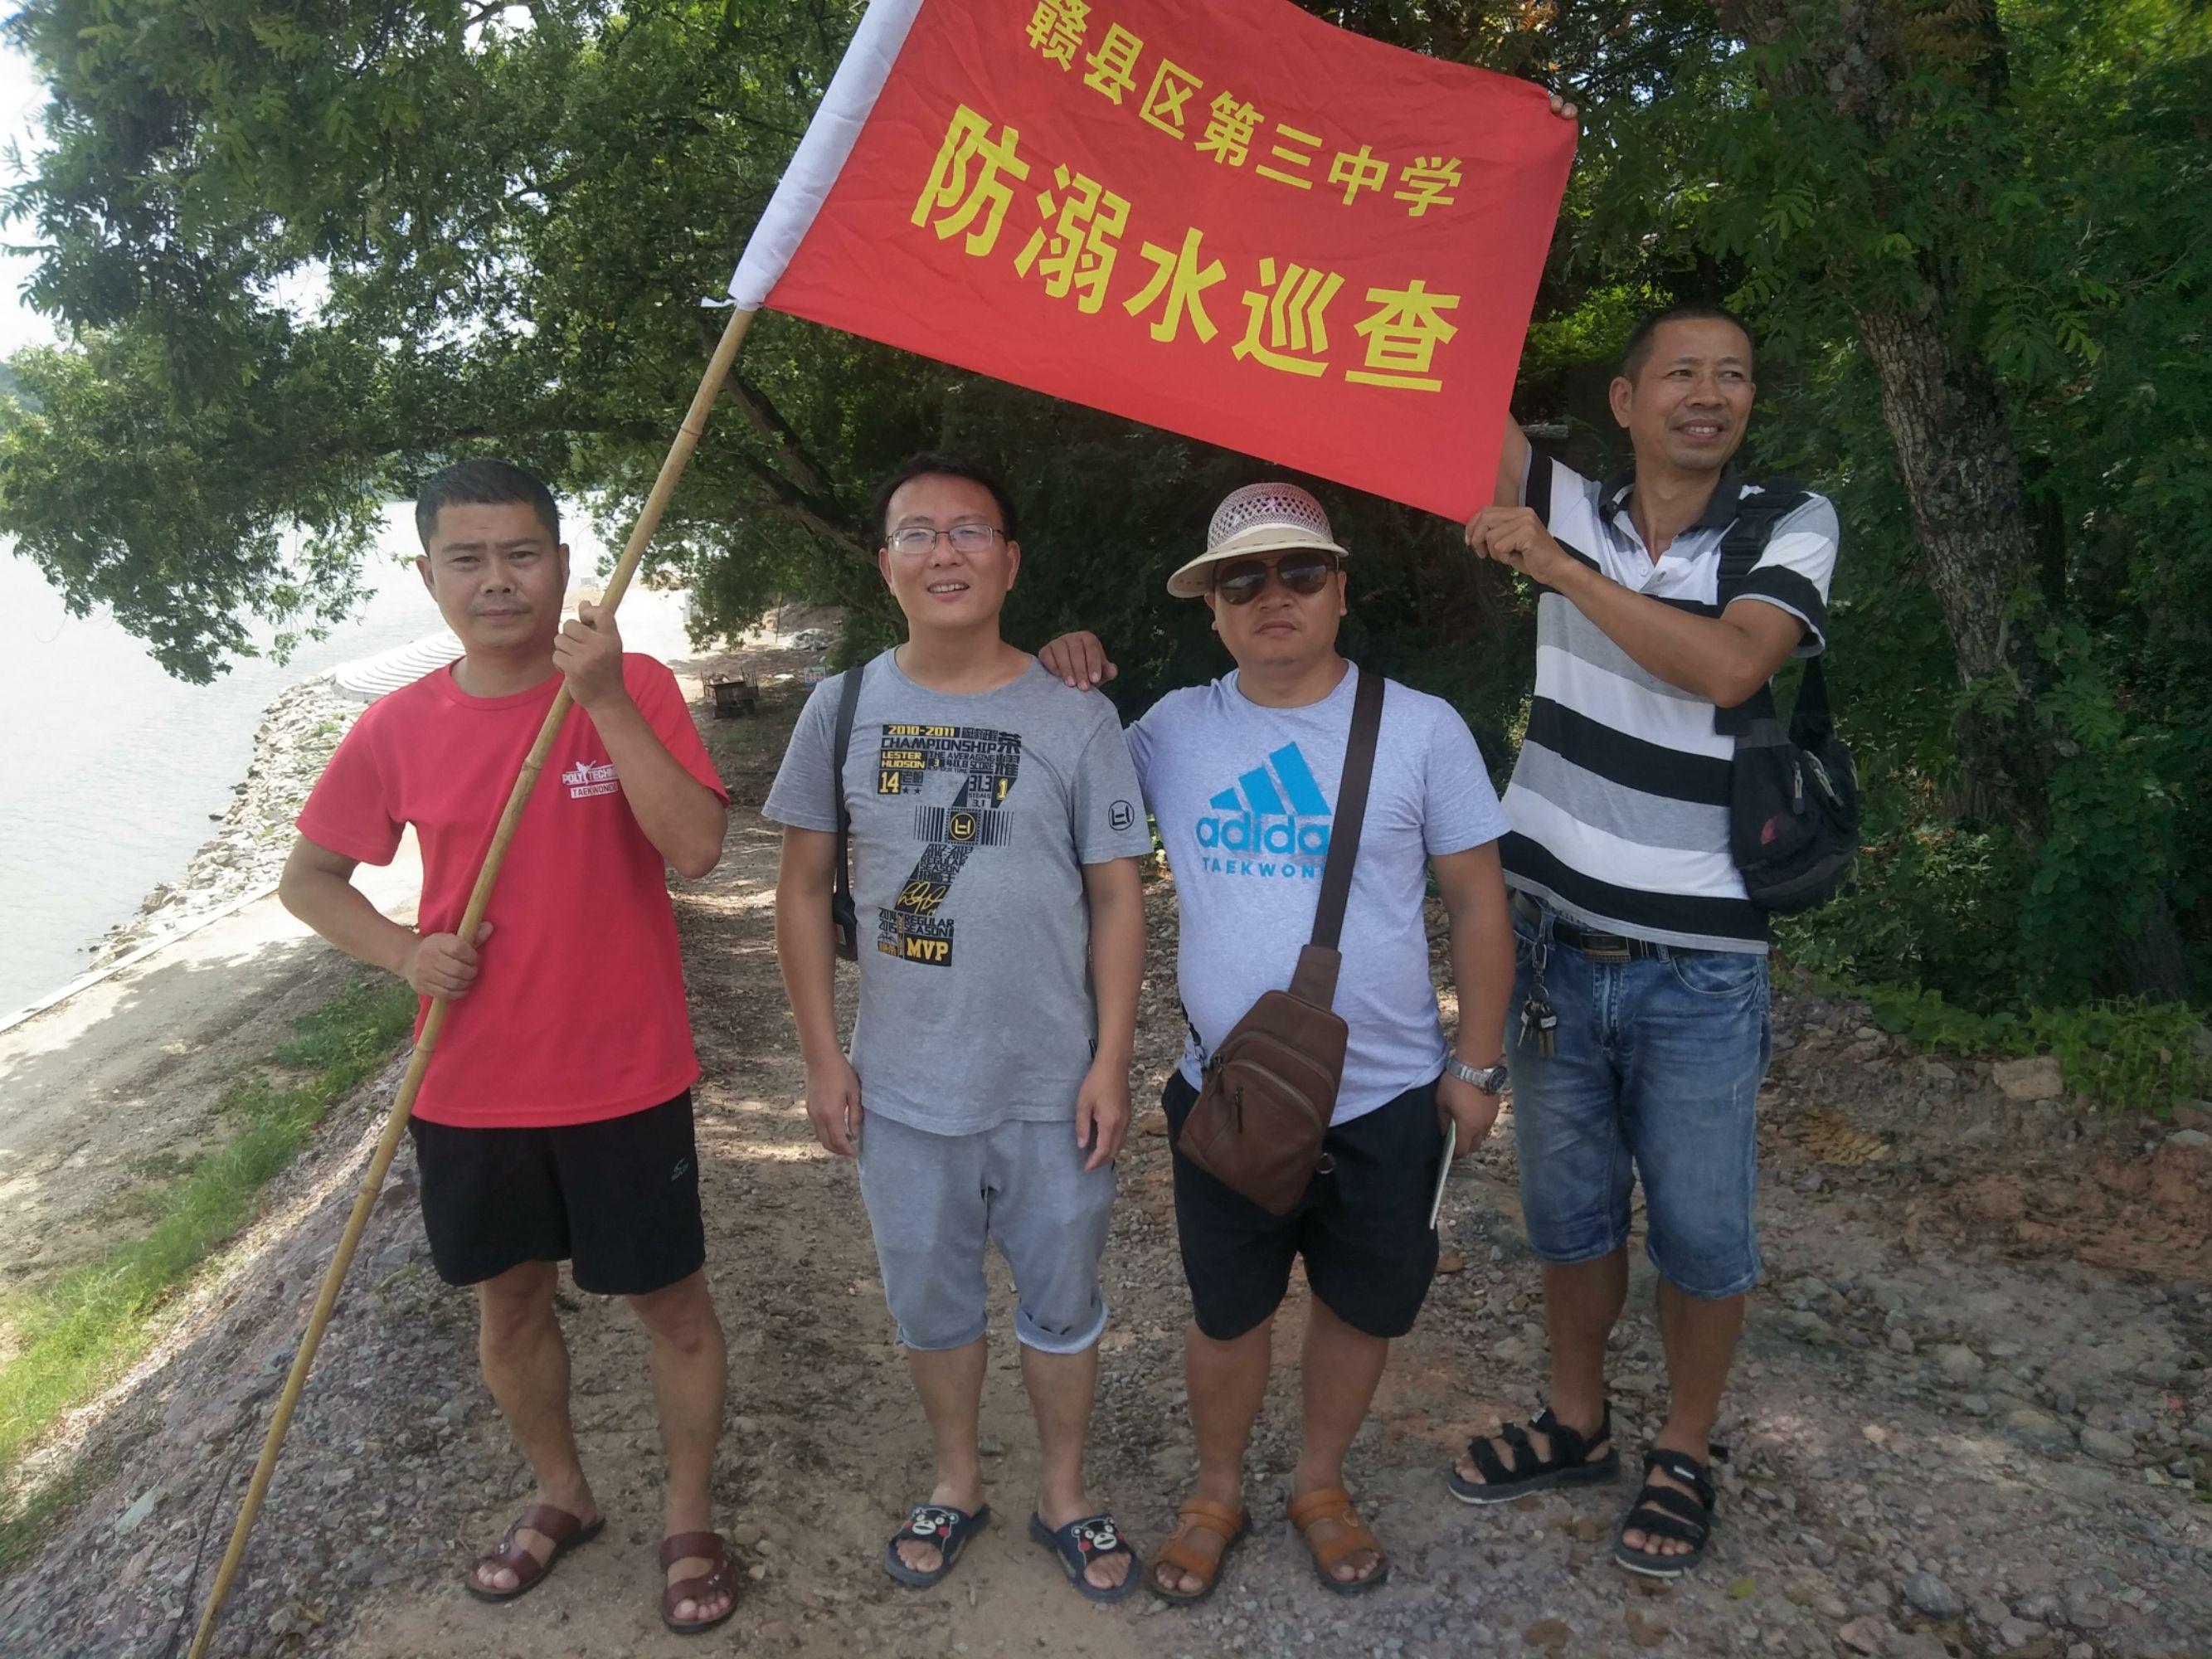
[(1363, 1227)]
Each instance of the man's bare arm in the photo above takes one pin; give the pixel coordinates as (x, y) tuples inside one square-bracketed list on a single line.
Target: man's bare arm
[(807, 951), (1474, 898), (1725, 658), (1116, 897), (1512, 465), (1117, 893), (803, 947), (317, 886), (684, 819)]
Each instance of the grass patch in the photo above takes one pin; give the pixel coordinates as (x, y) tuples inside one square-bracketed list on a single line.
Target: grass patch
[(2125, 1056), (32, 1518), (79, 1331)]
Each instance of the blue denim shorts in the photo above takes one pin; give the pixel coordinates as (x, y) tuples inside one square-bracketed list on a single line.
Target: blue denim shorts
[(1654, 1075)]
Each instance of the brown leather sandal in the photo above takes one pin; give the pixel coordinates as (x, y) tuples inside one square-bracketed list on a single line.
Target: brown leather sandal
[(1334, 1503), (566, 1531), (718, 1580), (1197, 1514)]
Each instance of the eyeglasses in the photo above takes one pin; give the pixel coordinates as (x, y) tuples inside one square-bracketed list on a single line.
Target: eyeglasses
[(965, 539), (1242, 581)]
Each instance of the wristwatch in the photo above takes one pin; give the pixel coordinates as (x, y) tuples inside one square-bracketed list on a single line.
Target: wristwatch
[(1490, 1079)]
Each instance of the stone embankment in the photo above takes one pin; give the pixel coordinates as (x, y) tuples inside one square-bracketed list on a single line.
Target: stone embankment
[(298, 730)]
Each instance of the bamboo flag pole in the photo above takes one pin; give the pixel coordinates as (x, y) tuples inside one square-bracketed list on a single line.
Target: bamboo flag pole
[(679, 455)]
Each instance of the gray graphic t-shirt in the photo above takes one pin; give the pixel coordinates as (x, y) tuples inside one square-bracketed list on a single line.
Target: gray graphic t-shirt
[(1245, 797), (972, 817)]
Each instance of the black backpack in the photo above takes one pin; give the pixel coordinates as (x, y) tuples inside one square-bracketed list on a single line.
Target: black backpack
[(1794, 805)]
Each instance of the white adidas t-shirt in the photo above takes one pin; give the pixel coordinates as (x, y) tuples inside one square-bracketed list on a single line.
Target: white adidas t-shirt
[(1244, 797)]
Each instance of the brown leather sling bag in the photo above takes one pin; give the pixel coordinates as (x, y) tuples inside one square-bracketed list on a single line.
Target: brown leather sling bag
[(1271, 1085)]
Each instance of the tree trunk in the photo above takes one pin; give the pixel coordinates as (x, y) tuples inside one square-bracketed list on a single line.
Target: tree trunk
[(2153, 961), (1955, 454), (1961, 475)]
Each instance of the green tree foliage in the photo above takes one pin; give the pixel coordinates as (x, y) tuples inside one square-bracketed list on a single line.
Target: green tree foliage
[(304, 254), (1976, 238)]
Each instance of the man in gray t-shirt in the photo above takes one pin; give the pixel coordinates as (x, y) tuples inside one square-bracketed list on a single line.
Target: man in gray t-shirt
[(973, 816), (995, 826), (1243, 779)]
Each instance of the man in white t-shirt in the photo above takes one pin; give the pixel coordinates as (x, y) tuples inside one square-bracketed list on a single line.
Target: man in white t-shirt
[(1241, 777)]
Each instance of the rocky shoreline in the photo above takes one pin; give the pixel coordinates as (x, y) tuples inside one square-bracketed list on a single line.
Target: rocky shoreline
[(298, 730)]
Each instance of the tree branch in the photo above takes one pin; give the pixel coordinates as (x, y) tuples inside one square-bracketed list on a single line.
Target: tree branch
[(802, 488)]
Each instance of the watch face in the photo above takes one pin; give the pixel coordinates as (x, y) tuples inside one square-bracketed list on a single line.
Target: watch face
[(1489, 1079)]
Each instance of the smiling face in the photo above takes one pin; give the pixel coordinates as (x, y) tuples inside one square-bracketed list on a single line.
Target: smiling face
[(1279, 630), (1691, 400), (941, 584), (498, 576)]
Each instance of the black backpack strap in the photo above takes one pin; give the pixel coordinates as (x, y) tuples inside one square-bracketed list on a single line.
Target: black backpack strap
[(849, 701), (1351, 808), (1743, 543), (1810, 723)]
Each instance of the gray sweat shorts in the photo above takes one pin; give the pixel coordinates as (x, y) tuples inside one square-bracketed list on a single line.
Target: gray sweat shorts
[(932, 1201)]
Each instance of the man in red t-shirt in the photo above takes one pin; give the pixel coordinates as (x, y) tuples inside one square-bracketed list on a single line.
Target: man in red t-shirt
[(554, 1122)]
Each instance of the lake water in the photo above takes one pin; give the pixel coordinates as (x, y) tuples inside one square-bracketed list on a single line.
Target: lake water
[(118, 767)]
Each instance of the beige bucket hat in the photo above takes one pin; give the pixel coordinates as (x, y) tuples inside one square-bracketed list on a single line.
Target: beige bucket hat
[(1261, 518)]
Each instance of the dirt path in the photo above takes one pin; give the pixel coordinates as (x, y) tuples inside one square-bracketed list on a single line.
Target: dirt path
[(1973, 1406)]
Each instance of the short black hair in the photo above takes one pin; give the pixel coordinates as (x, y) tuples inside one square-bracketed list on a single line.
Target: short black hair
[(486, 483), (936, 462), (1637, 351)]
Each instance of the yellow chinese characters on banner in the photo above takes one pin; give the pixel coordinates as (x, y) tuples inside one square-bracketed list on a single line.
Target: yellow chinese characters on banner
[(1057, 27), (1080, 240), (1235, 221), (965, 182), (1075, 245), (1296, 314), (1174, 103)]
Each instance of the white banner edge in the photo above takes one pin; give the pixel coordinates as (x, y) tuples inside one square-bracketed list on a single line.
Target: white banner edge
[(823, 149)]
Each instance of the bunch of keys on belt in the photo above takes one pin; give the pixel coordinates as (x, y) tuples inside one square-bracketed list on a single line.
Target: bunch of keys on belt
[(1540, 1025)]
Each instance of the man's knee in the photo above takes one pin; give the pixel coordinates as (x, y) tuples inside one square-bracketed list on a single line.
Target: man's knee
[(682, 1316), (1228, 1341), (513, 1304)]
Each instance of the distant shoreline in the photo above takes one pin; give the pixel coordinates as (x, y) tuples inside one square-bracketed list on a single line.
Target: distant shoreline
[(300, 728)]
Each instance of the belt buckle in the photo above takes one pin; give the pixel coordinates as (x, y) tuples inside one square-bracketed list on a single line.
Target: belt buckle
[(1614, 951)]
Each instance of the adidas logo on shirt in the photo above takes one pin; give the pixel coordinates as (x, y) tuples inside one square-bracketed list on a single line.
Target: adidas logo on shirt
[(1276, 808)]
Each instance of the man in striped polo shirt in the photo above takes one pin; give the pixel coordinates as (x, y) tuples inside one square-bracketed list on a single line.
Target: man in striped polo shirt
[(1639, 1035)]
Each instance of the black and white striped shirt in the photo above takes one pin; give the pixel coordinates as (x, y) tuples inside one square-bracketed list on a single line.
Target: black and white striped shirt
[(1619, 801)]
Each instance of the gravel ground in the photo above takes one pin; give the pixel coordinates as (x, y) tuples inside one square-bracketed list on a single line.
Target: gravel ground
[(1973, 1414)]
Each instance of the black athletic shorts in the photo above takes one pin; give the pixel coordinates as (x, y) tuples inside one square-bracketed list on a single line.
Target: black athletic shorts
[(1363, 1227), (620, 1198)]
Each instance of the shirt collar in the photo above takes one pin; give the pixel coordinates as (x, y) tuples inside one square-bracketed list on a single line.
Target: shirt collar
[(1719, 514)]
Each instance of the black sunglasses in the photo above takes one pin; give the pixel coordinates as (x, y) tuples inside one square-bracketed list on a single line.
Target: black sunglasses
[(1240, 581)]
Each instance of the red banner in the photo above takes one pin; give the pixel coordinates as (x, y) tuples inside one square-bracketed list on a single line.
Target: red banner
[(1233, 220)]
